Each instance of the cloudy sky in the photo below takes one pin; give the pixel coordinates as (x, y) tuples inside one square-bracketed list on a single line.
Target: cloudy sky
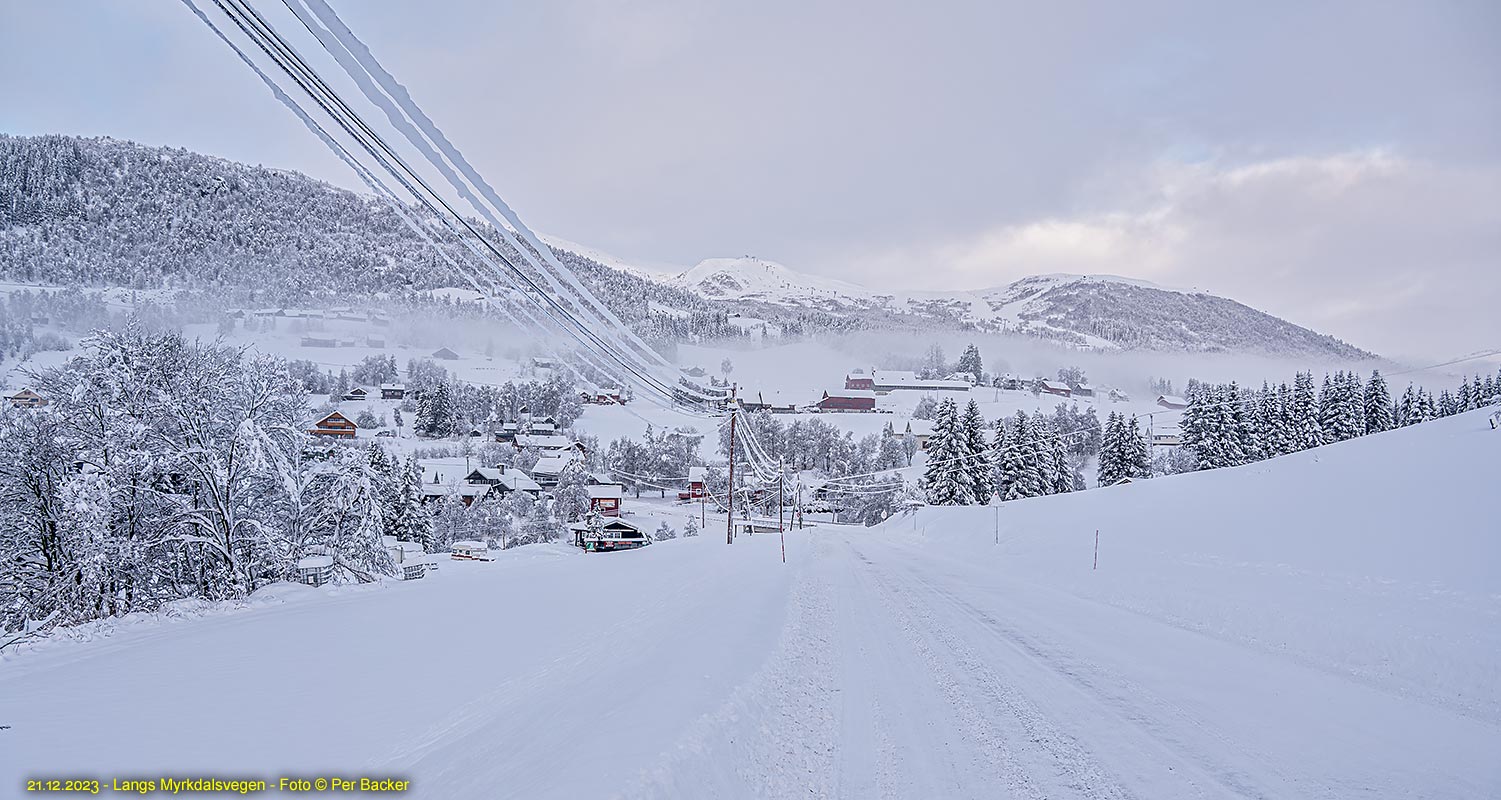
[(1338, 164)]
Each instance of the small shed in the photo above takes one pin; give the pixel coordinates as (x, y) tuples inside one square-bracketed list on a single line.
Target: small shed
[(315, 570), (445, 354)]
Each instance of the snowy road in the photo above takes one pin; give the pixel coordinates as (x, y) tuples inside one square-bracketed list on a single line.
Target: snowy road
[(973, 653), (871, 666)]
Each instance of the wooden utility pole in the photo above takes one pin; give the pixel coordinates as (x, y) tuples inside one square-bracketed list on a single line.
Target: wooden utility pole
[(782, 504), (729, 517)]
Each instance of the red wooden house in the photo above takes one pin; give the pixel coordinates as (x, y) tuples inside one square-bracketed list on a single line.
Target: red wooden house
[(336, 425), (854, 381)]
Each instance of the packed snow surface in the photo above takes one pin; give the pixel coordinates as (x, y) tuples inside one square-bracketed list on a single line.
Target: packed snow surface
[(1322, 625)]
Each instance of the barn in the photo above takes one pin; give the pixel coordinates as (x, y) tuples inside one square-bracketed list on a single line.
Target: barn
[(848, 400), (1171, 401), (1055, 388)]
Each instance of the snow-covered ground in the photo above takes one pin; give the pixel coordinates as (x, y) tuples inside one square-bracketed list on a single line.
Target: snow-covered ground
[(1323, 625)]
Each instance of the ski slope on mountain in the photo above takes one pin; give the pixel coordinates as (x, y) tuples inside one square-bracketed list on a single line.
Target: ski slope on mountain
[(1322, 625)]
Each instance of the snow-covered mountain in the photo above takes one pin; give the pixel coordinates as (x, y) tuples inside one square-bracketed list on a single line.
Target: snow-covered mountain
[(1103, 311), (102, 212)]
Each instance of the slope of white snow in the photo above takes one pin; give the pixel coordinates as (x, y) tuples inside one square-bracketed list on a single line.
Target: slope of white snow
[(1323, 625)]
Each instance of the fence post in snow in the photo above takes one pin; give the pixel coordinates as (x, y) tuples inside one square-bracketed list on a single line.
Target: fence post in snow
[(1096, 548)]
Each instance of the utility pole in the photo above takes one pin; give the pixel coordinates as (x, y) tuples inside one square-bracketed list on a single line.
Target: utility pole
[(782, 504), (729, 516)]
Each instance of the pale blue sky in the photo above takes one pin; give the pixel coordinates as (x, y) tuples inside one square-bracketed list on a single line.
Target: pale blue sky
[(1335, 163)]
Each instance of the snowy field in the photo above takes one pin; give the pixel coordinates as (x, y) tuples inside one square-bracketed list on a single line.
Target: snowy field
[(1323, 625)]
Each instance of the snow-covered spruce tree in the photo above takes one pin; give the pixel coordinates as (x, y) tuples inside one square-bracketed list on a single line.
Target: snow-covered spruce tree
[(976, 453), (1462, 398), (1302, 414), (691, 527), (946, 480), (412, 521), (1378, 404), (1061, 471), (664, 532), (970, 362), (1110, 470), (1137, 455), (435, 412), (999, 481)]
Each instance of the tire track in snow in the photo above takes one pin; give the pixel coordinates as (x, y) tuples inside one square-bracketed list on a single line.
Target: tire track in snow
[(1049, 755), (1131, 704)]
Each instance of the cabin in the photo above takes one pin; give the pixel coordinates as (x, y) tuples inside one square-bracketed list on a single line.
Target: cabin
[(336, 425), (547, 471), (317, 341), (1118, 396), (26, 398), (614, 534), (546, 442), (859, 380), (503, 480), (605, 498), (375, 342), (1057, 388), (1173, 402), (847, 400), (315, 570), (1083, 390), (393, 391), (469, 550), (357, 393), (445, 354)]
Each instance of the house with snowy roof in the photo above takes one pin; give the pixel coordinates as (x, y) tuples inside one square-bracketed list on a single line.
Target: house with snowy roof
[(1058, 388), (335, 425)]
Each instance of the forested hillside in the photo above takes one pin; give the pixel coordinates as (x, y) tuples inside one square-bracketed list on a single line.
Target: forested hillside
[(102, 212)]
